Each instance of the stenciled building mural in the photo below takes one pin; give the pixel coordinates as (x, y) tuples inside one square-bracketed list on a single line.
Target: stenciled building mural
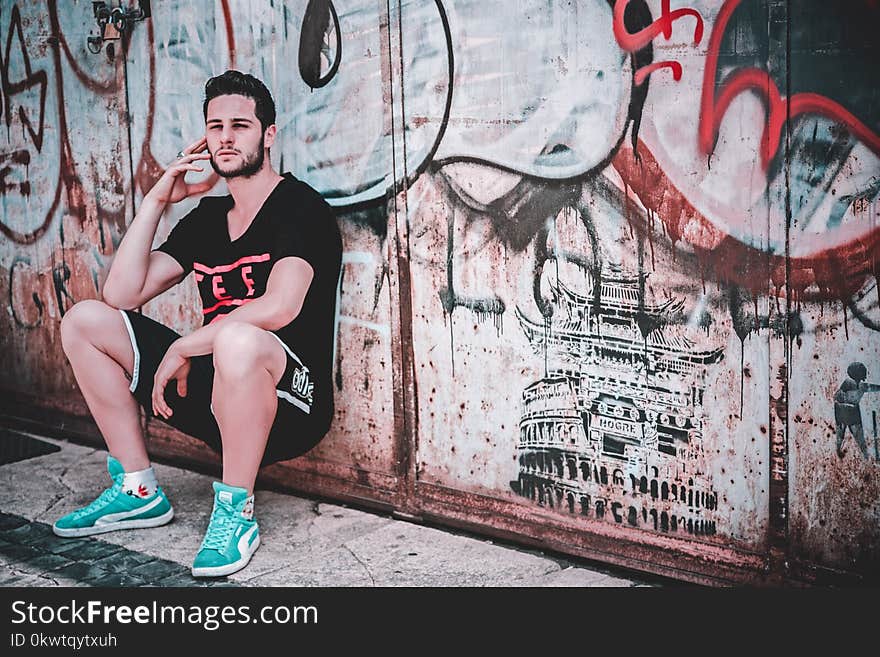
[(620, 417), (610, 269)]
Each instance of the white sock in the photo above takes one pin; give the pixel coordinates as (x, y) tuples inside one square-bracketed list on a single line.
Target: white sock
[(248, 511), (141, 483)]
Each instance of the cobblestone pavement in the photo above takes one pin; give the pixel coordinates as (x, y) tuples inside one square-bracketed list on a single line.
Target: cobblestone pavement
[(33, 556)]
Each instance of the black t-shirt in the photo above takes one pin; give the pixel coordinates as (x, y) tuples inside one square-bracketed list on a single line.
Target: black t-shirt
[(293, 221)]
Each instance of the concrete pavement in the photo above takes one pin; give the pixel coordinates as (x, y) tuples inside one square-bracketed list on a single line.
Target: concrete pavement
[(304, 542)]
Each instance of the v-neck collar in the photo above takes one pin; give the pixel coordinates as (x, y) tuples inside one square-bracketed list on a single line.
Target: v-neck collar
[(286, 177)]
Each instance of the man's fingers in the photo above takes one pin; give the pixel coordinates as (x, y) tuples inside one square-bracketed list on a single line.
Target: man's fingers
[(196, 146), (180, 168), (186, 162), (181, 387), (192, 157), (160, 408)]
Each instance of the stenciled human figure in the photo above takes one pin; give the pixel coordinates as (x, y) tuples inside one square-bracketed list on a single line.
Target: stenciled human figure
[(847, 411), (254, 382)]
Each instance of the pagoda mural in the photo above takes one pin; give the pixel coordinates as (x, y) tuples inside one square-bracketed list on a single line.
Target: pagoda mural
[(614, 430)]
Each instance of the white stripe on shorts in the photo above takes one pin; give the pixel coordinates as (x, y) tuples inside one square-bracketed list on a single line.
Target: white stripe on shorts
[(137, 354), (285, 395), (287, 349), (293, 400)]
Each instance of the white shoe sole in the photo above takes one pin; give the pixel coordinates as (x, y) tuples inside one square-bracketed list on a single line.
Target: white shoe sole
[(140, 523), (228, 569)]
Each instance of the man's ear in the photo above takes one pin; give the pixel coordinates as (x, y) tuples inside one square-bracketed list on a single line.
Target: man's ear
[(269, 136)]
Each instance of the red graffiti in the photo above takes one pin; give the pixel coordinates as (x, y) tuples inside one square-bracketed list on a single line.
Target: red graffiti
[(149, 169), (637, 41), (230, 36), (835, 274), (713, 107), (643, 73), (68, 179), (631, 42)]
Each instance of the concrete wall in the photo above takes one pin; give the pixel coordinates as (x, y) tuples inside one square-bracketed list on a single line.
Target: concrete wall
[(605, 266)]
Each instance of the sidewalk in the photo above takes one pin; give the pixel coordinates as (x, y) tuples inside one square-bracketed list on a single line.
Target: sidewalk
[(304, 542)]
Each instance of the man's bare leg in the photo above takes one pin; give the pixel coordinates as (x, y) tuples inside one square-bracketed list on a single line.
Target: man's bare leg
[(96, 341), (248, 362)]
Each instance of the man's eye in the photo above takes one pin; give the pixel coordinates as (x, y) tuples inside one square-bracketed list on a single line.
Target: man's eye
[(239, 125)]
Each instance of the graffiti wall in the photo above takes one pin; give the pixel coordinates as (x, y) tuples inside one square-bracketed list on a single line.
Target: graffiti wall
[(610, 269), (64, 184)]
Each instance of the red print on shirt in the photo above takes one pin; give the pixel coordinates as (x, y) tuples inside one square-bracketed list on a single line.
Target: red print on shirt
[(242, 267)]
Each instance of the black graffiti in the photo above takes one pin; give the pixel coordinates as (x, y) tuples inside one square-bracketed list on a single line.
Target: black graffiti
[(543, 489), (625, 385), (19, 260), (7, 162), (848, 411), (315, 43), (519, 221), (31, 79), (860, 315), (637, 17), (60, 276), (17, 159), (450, 299)]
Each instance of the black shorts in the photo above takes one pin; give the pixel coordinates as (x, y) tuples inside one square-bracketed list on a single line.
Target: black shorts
[(295, 430)]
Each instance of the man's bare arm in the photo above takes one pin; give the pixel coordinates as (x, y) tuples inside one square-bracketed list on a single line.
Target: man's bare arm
[(286, 290), (131, 264), (137, 275), (163, 272)]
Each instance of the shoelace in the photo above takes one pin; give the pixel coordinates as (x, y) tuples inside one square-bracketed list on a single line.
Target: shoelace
[(102, 500), (220, 527)]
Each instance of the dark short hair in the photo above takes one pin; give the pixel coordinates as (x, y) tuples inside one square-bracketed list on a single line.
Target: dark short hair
[(242, 84)]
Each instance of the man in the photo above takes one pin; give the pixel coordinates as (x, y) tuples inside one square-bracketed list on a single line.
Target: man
[(254, 382)]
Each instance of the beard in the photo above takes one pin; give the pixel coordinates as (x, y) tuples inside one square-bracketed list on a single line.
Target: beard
[(252, 163)]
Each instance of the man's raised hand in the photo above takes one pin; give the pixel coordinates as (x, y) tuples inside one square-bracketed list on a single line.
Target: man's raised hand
[(172, 186)]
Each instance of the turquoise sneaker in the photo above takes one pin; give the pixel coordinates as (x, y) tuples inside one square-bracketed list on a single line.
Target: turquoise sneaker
[(113, 510), (231, 539)]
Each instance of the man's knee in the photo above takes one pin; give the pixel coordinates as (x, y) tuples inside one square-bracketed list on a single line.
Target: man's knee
[(238, 348), (86, 320)]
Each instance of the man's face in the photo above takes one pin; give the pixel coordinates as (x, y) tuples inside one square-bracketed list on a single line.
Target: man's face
[(235, 137)]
